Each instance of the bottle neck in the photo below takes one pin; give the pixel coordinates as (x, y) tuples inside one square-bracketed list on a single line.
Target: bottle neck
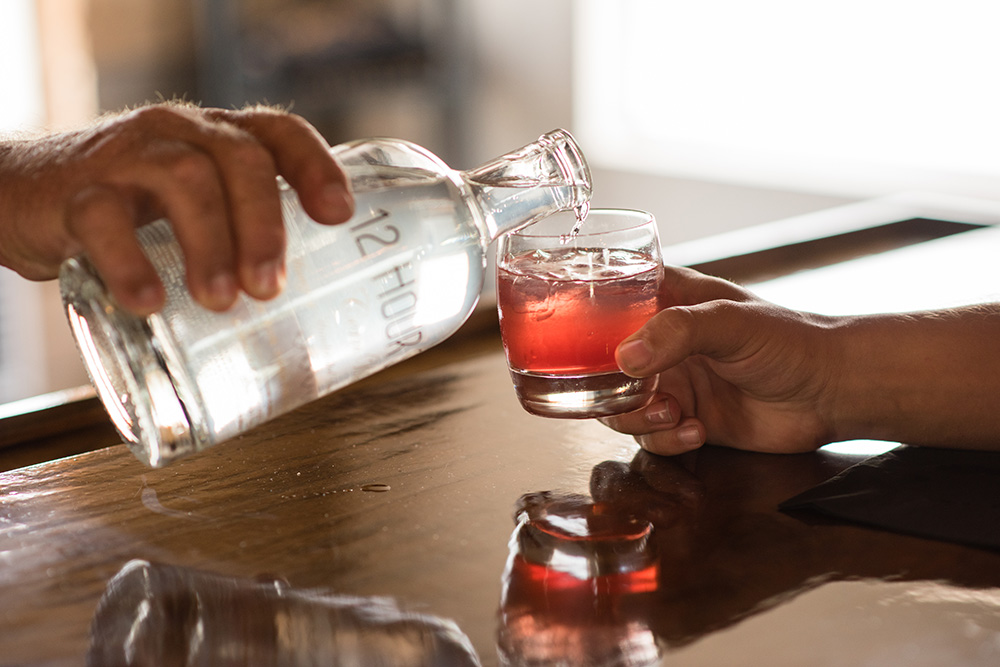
[(531, 183)]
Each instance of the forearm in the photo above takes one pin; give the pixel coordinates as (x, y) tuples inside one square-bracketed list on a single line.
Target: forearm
[(12, 172), (923, 378), (29, 244)]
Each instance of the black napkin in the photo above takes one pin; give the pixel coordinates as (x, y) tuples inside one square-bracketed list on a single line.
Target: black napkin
[(943, 494)]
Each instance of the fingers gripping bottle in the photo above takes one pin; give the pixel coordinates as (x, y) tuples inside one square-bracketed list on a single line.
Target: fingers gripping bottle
[(401, 276)]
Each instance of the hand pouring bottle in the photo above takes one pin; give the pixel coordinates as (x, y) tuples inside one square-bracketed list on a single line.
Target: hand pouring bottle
[(399, 277)]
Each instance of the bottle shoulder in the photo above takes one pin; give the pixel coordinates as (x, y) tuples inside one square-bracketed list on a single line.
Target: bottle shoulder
[(388, 152)]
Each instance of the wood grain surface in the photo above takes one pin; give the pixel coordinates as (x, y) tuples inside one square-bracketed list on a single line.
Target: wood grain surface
[(404, 486), (448, 453)]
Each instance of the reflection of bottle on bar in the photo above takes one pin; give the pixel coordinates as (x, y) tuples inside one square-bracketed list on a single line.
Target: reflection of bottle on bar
[(155, 614), (575, 585)]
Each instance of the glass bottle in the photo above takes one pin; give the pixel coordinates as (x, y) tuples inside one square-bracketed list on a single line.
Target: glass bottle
[(158, 614), (399, 277)]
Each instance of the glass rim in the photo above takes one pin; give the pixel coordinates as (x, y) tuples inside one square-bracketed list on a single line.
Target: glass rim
[(648, 218)]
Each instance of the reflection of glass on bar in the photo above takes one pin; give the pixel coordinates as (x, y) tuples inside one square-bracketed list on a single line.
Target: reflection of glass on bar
[(575, 585), (154, 614)]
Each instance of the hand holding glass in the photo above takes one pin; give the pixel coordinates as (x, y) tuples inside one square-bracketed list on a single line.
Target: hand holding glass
[(566, 300)]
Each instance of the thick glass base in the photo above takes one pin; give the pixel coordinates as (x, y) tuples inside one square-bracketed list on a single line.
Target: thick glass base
[(128, 371), (582, 396)]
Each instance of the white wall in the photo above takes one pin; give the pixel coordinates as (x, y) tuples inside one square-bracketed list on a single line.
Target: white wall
[(37, 353), (24, 365)]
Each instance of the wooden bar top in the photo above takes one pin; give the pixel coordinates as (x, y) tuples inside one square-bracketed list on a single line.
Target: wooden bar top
[(404, 487)]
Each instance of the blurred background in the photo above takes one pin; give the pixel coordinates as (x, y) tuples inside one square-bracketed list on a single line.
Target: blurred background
[(713, 115)]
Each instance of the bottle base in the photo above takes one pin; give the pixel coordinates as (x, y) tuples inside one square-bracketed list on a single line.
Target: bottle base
[(582, 396), (128, 372)]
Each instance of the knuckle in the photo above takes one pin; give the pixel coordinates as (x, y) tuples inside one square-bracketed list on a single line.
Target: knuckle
[(253, 158), (725, 311), (152, 114), (262, 113), (141, 130), (290, 125), (290, 120), (156, 116), (671, 324), (191, 168)]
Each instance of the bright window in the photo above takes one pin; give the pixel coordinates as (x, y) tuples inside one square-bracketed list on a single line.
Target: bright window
[(854, 98)]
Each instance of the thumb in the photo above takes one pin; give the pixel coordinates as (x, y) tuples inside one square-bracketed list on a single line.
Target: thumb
[(718, 329)]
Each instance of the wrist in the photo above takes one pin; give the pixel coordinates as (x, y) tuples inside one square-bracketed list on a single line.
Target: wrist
[(919, 378), (860, 377)]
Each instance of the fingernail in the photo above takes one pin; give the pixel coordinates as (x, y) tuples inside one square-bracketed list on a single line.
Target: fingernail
[(268, 279), (659, 413), (222, 289), (147, 299), (338, 202), (634, 354), (690, 436)]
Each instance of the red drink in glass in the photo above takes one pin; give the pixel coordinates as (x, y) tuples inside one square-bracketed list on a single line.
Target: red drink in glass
[(563, 311), (562, 316)]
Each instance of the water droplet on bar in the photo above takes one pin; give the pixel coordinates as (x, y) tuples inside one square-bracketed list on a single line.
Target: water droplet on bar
[(376, 487)]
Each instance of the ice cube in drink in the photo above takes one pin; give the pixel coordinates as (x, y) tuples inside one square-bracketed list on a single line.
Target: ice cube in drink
[(563, 311)]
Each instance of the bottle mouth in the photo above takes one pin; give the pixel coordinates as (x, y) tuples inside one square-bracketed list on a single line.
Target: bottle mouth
[(558, 229), (572, 164), (128, 373)]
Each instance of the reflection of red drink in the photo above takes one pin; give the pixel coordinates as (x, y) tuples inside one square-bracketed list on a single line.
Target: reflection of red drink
[(567, 546), (577, 586), (562, 314), (548, 583)]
